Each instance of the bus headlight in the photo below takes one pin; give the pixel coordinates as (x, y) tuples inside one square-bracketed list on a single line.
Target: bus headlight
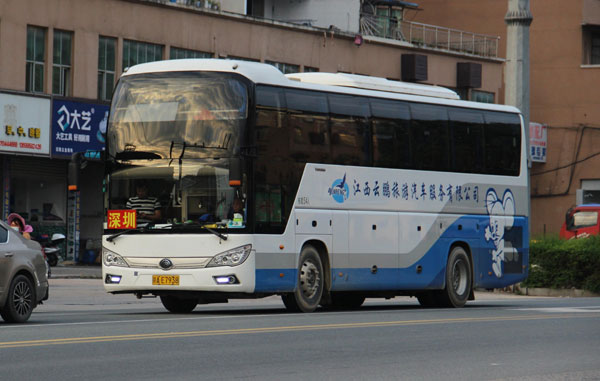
[(233, 257), (113, 259)]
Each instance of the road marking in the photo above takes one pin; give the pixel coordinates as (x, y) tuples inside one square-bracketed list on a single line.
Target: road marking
[(242, 331), (570, 310)]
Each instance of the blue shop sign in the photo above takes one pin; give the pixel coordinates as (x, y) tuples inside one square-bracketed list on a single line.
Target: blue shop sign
[(78, 127)]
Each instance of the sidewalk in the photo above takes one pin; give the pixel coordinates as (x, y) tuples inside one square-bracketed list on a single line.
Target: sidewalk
[(72, 270)]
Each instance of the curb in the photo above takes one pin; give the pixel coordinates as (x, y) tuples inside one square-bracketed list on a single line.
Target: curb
[(559, 292)]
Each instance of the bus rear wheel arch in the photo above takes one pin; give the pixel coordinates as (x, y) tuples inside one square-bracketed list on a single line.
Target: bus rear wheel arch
[(459, 278), (310, 282), (458, 287)]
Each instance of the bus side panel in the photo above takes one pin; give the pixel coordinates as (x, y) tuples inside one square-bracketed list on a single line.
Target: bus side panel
[(276, 259), (504, 260), (428, 271)]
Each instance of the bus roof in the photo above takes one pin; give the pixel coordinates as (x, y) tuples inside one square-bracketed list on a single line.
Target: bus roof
[(373, 83), (331, 82)]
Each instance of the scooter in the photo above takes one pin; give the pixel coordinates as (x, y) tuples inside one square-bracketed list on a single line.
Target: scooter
[(50, 247)]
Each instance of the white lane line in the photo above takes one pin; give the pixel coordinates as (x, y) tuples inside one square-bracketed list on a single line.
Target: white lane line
[(587, 309)]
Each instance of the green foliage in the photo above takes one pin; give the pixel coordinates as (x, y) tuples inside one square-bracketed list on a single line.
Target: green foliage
[(558, 263)]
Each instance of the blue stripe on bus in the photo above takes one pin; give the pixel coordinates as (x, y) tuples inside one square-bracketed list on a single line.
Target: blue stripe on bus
[(433, 264)]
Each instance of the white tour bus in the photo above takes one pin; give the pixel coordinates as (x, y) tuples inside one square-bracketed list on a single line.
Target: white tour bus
[(227, 179)]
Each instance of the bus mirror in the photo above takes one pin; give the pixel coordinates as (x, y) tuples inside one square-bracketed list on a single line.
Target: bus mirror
[(73, 172), (235, 172)]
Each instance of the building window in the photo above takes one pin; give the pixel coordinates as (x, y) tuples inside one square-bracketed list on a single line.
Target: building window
[(285, 68), (595, 52), (482, 96), (35, 60), (135, 52), (106, 67), (308, 69), (591, 45), (178, 53), (61, 63), (241, 59)]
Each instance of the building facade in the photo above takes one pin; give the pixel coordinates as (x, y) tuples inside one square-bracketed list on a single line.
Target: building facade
[(60, 60), (564, 96)]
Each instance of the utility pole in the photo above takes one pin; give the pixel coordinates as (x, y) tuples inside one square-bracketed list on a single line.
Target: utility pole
[(516, 71)]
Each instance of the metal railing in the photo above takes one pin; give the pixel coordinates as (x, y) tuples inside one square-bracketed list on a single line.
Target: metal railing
[(429, 36)]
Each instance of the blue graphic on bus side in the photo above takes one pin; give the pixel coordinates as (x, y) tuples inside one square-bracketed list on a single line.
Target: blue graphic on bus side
[(339, 190), (501, 212)]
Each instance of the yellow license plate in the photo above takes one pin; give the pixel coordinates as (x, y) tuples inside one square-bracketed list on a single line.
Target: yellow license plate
[(165, 280)]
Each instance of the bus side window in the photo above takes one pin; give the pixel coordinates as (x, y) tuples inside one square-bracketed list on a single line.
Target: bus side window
[(466, 132), (349, 118), (502, 136), (308, 125), (276, 181), (429, 124), (391, 134)]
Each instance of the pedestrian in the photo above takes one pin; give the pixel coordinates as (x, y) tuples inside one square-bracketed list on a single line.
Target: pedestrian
[(18, 223)]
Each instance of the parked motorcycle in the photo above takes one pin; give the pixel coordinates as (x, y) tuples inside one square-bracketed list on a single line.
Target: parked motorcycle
[(50, 246)]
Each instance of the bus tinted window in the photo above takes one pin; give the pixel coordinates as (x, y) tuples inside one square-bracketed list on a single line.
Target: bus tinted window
[(349, 129), (466, 130), (275, 184), (306, 101), (391, 134), (502, 137), (429, 125), (308, 124)]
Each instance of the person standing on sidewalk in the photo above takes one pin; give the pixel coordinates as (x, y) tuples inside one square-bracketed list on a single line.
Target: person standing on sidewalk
[(18, 223)]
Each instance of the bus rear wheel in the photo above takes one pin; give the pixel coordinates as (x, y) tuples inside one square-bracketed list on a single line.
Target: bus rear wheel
[(310, 283), (459, 279), (177, 305)]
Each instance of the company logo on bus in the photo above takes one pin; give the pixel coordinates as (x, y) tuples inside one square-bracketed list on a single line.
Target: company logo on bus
[(339, 190)]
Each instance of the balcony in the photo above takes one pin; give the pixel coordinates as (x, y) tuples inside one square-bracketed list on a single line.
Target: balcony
[(429, 36)]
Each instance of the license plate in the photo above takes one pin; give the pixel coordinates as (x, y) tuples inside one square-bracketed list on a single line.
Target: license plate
[(165, 280)]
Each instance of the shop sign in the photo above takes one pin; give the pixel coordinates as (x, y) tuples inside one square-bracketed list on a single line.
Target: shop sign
[(25, 124), (538, 141), (78, 127)]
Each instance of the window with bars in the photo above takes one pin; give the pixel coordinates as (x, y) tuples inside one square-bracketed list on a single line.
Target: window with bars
[(106, 67), (284, 67), (591, 45), (179, 53), (482, 96), (35, 60), (135, 52), (308, 69), (595, 50), (61, 63)]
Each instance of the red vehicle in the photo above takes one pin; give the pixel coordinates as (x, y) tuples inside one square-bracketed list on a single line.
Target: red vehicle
[(581, 221)]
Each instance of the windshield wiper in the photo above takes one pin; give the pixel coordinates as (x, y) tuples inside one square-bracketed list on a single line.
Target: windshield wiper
[(196, 225), (140, 229), (136, 155)]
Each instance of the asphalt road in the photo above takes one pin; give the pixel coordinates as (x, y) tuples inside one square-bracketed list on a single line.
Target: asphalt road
[(83, 333)]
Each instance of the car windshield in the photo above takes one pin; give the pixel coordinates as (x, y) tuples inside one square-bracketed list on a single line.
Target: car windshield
[(582, 219), (156, 115), (166, 192)]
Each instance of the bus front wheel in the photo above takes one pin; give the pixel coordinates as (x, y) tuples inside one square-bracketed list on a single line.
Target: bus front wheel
[(459, 279), (177, 305), (310, 283)]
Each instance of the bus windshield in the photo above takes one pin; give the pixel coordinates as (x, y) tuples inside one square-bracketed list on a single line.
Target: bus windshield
[(197, 192), (159, 115)]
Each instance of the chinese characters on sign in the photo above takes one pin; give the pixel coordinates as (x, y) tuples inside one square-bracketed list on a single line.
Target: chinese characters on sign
[(25, 124), (538, 138), (78, 127), (122, 219), (414, 191)]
